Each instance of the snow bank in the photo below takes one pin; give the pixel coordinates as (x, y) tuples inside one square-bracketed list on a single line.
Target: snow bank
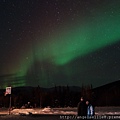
[(65, 111), (22, 111), (41, 111)]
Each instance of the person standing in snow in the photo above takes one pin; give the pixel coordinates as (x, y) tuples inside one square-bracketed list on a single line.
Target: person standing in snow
[(82, 108), (90, 110)]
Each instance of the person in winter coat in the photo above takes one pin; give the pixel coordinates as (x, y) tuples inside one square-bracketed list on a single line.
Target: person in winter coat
[(82, 108), (90, 109)]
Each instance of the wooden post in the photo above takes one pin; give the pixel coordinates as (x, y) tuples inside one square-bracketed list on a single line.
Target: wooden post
[(8, 91), (10, 105)]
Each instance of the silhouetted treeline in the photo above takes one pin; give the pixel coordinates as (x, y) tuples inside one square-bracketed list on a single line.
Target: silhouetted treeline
[(58, 96), (62, 96), (107, 95)]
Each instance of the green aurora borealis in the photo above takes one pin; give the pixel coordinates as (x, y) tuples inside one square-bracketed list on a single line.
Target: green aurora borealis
[(46, 58)]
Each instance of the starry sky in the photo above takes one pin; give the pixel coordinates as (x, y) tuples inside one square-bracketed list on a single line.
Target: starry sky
[(59, 42)]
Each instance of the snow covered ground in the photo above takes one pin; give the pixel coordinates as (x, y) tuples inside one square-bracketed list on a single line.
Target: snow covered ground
[(57, 113), (66, 111), (107, 110), (50, 111)]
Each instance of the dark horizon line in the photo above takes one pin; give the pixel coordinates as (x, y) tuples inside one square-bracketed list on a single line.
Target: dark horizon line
[(84, 85)]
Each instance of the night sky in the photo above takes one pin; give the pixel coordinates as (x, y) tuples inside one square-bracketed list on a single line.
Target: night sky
[(59, 42)]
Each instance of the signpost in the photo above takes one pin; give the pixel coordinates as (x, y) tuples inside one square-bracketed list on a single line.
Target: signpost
[(8, 91)]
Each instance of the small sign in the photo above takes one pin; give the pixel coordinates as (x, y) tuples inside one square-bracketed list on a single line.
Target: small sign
[(8, 90)]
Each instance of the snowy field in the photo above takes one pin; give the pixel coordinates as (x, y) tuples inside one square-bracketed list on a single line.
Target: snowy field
[(57, 114)]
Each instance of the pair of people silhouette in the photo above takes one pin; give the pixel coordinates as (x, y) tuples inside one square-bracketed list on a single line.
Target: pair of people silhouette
[(85, 108)]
